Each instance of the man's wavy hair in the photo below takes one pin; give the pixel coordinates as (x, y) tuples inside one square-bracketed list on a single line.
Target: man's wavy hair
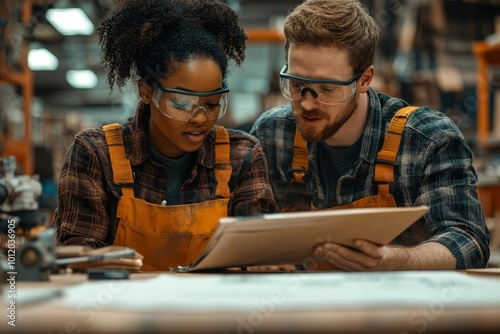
[(346, 24)]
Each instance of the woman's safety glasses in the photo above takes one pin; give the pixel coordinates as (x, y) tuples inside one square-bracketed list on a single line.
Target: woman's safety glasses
[(183, 105), (329, 92)]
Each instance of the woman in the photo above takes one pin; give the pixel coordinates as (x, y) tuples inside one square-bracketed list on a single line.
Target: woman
[(160, 182)]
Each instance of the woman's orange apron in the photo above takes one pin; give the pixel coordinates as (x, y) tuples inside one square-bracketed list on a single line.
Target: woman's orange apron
[(167, 236)]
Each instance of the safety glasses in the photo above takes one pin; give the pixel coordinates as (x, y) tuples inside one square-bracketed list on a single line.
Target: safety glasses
[(330, 92), (183, 105)]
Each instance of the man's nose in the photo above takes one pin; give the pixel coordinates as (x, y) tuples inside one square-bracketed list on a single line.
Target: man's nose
[(308, 101), (310, 90)]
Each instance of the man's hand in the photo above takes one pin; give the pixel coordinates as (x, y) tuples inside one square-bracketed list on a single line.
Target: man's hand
[(364, 256), (367, 256)]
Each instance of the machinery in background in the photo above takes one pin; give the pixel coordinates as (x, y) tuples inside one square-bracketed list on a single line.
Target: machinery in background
[(28, 248), (19, 195)]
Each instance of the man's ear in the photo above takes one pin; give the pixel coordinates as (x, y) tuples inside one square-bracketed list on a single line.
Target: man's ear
[(366, 79), (145, 92)]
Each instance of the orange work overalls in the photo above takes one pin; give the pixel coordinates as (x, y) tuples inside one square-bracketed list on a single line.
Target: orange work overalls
[(167, 236), (384, 167)]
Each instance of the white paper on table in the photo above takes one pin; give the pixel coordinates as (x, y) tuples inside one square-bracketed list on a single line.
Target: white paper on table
[(286, 291)]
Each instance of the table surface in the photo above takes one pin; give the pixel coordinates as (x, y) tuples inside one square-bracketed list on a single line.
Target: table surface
[(51, 316)]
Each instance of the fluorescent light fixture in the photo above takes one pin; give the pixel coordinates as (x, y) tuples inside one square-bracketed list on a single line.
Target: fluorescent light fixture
[(70, 21), (81, 78), (42, 60)]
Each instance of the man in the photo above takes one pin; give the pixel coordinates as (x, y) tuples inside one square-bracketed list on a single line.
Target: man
[(342, 124)]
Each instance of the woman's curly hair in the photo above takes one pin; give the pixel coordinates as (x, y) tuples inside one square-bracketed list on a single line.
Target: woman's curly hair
[(147, 39)]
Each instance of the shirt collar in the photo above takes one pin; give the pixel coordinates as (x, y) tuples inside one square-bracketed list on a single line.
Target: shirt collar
[(135, 136), (375, 126)]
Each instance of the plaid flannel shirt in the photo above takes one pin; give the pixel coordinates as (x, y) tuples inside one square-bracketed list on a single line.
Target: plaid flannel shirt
[(88, 198), (434, 168)]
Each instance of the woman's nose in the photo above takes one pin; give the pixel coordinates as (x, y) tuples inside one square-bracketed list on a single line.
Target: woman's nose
[(200, 110)]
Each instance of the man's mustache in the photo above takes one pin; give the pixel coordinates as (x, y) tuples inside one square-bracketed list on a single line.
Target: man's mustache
[(314, 113)]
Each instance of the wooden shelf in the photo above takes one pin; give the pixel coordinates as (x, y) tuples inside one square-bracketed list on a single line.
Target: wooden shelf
[(8, 75), (264, 35), (23, 78), (487, 55), (489, 186)]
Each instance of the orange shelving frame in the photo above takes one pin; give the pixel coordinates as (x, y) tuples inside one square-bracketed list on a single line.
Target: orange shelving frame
[(487, 55), (256, 35), (23, 78)]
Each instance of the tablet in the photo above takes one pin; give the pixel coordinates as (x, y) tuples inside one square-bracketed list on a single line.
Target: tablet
[(289, 238)]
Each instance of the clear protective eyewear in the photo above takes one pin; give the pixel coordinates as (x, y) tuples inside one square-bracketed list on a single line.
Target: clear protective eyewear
[(330, 92), (183, 105)]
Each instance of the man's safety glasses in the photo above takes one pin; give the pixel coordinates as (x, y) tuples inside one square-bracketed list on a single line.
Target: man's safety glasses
[(329, 92), (183, 105)]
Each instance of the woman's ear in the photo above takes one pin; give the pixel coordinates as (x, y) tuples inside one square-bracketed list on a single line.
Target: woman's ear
[(145, 91), (366, 79)]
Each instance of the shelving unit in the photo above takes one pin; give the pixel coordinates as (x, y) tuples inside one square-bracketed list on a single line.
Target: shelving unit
[(487, 56), (489, 186), (22, 78), (264, 35)]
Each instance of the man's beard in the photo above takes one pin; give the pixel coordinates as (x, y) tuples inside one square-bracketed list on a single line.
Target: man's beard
[(311, 134)]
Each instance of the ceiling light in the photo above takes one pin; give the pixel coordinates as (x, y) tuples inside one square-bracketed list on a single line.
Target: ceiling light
[(81, 78), (70, 21), (42, 60)]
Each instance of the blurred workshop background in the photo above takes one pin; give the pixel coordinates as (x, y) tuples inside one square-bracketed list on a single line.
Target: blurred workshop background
[(444, 54)]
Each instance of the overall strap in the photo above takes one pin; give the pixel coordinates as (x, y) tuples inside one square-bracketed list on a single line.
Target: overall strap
[(122, 171), (298, 193), (300, 162), (386, 157), (223, 169)]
